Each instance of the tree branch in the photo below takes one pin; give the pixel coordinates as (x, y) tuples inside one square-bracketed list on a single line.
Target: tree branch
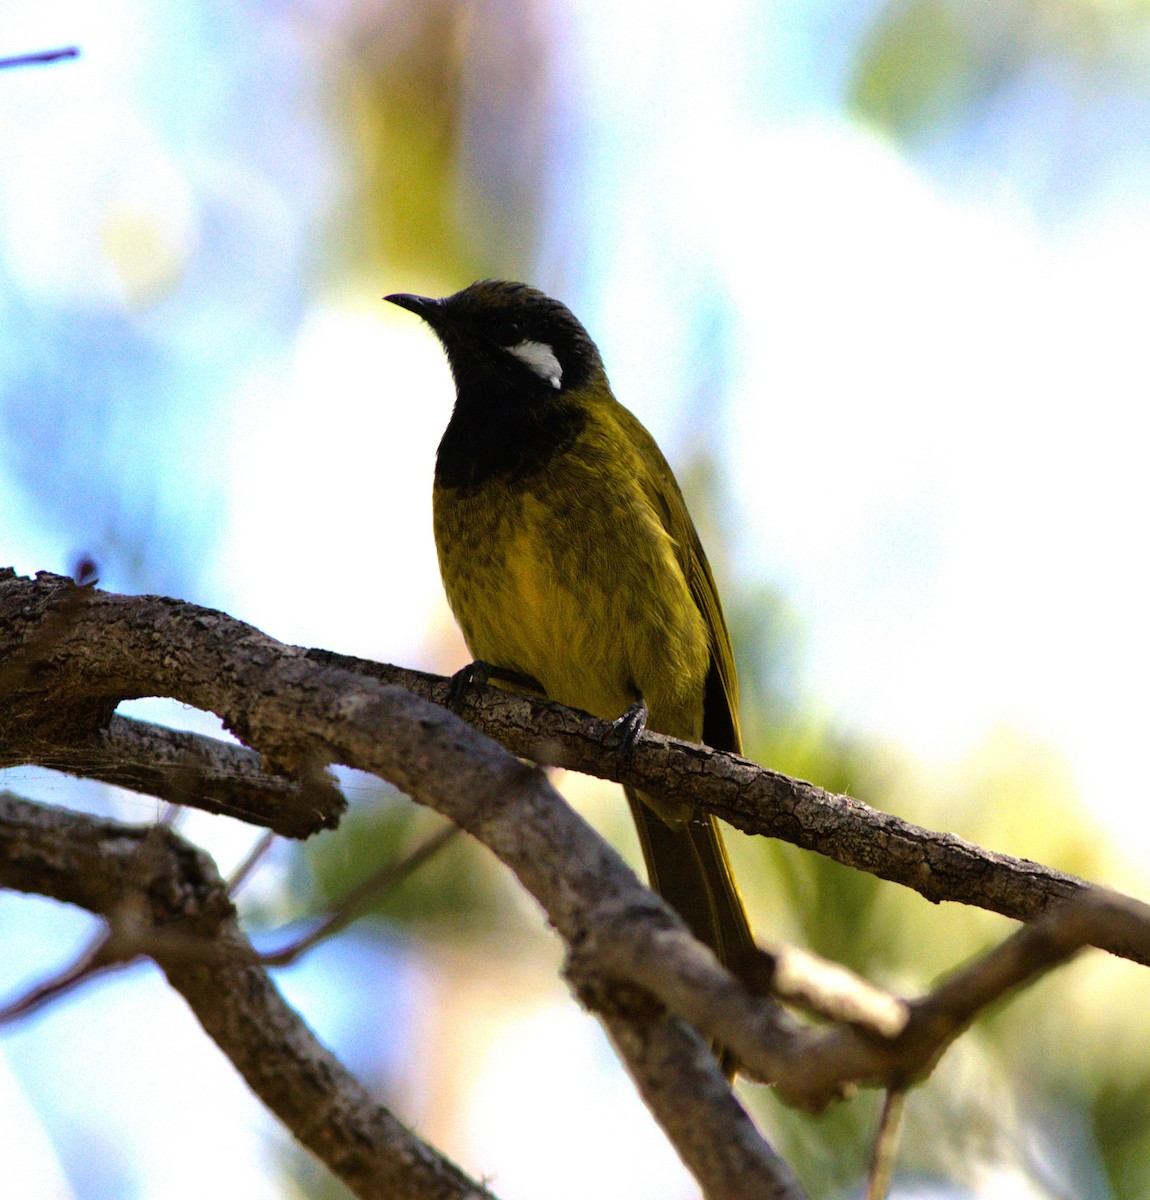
[(939, 866), (192, 769), (629, 956), (38, 56), (184, 920), (937, 1018), (297, 712), (759, 801)]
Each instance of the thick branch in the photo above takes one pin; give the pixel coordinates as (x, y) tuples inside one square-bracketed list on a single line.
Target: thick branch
[(191, 933), (676, 1074), (937, 1018), (631, 958), (939, 866), (296, 712), (192, 769)]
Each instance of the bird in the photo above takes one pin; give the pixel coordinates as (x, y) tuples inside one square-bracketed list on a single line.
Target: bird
[(573, 567)]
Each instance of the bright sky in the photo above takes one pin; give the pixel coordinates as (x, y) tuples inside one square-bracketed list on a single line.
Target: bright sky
[(938, 446)]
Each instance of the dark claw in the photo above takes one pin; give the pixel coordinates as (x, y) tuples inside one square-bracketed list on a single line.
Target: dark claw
[(480, 673), (630, 726), (475, 672)]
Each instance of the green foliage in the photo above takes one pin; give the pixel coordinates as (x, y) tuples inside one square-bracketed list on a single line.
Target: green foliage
[(918, 66), (830, 1152), (399, 108), (420, 203), (1118, 1118), (460, 891), (925, 65)]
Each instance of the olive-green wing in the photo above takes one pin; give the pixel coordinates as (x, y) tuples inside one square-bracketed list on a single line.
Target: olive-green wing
[(690, 866), (721, 703)]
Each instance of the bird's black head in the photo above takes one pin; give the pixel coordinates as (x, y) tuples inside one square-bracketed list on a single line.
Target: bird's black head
[(508, 340)]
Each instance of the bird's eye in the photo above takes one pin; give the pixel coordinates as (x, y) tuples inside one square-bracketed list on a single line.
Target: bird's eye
[(510, 331)]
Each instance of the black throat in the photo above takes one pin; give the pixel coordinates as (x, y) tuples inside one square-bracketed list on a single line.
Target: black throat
[(504, 433)]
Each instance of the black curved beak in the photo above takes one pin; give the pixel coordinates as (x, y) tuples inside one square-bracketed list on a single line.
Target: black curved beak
[(422, 306)]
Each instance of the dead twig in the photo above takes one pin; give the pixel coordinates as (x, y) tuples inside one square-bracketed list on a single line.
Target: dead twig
[(372, 888), (39, 56)]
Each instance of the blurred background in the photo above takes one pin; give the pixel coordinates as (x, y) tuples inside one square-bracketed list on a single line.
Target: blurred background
[(874, 274)]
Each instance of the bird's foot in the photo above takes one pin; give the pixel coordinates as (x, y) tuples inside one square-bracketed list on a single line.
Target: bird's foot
[(630, 726), (478, 673), (474, 673)]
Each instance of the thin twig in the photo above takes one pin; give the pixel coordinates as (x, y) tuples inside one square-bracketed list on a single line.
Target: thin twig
[(95, 864), (40, 56), (372, 888), (815, 1077), (886, 1144), (254, 857), (95, 959), (831, 991), (125, 937)]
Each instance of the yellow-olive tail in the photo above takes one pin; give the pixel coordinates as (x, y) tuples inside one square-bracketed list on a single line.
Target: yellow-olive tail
[(690, 869)]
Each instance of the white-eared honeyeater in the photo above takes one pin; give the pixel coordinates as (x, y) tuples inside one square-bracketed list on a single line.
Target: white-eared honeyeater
[(569, 558)]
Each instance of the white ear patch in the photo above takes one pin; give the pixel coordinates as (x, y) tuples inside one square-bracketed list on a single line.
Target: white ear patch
[(541, 359)]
